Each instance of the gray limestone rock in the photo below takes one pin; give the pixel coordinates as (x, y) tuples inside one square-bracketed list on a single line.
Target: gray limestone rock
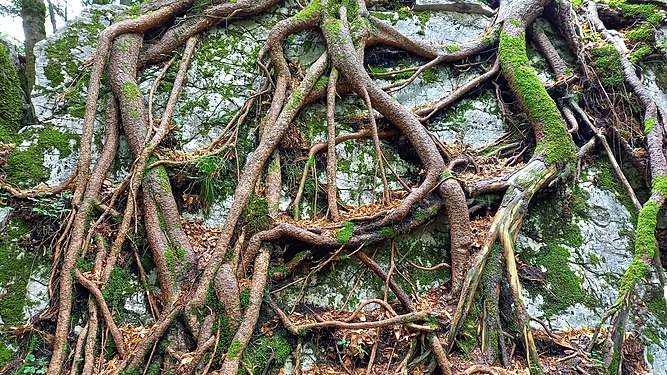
[(461, 6)]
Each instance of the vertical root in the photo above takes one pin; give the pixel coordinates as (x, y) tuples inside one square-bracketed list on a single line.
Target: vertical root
[(244, 332), (332, 196), (376, 144)]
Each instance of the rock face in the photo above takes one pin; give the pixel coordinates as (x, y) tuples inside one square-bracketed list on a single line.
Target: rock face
[(466, 6), (24, 276), (46, 152), (582, 239)]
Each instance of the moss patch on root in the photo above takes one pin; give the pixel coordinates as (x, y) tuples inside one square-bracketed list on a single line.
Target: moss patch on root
[(345, 233), (646, 244), (649, 124), (558, 147)]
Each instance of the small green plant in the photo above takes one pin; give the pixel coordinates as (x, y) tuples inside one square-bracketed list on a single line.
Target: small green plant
[(211, 173), (52, 206), (33, 365), (360, 349), (345, 343)]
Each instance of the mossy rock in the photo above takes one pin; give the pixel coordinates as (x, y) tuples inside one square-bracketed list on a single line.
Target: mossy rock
[(11, 106), (43, 155), (581, 237)]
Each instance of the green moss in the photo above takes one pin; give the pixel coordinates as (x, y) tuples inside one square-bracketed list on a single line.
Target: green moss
[(649, 124), (131, 91), (429, 76), (607, 64), (258, 352), (554, 222), (660, 185), (638, 54), (577, 202), (199, 5), (212, 302), (245, 298), (515, 22), (593, 259), (642, 33), (53, 73), (564, 283), (467, 339), (311, 11), (558, 147), (345, 233), (58, 140), (256, 214), (396, 77), (281, 270), (15, 269), (22, 168), (84, 265), (174, 257), (649, 12), (607, 180), (6, 354), (234, 349), (645, 248), (388, 232), (122, 47), (332, 29), (118, 287), (61, 65), (422, 214), (656, 304), (615, 363), (25, 166), (11, 108), (385, 16), (424, 17), (451, 48)]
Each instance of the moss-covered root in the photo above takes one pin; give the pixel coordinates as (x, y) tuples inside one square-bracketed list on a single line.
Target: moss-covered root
[(550, 128), (646, 248)]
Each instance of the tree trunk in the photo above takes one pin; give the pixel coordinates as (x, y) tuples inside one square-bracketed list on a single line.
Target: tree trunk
[(33, 13)]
